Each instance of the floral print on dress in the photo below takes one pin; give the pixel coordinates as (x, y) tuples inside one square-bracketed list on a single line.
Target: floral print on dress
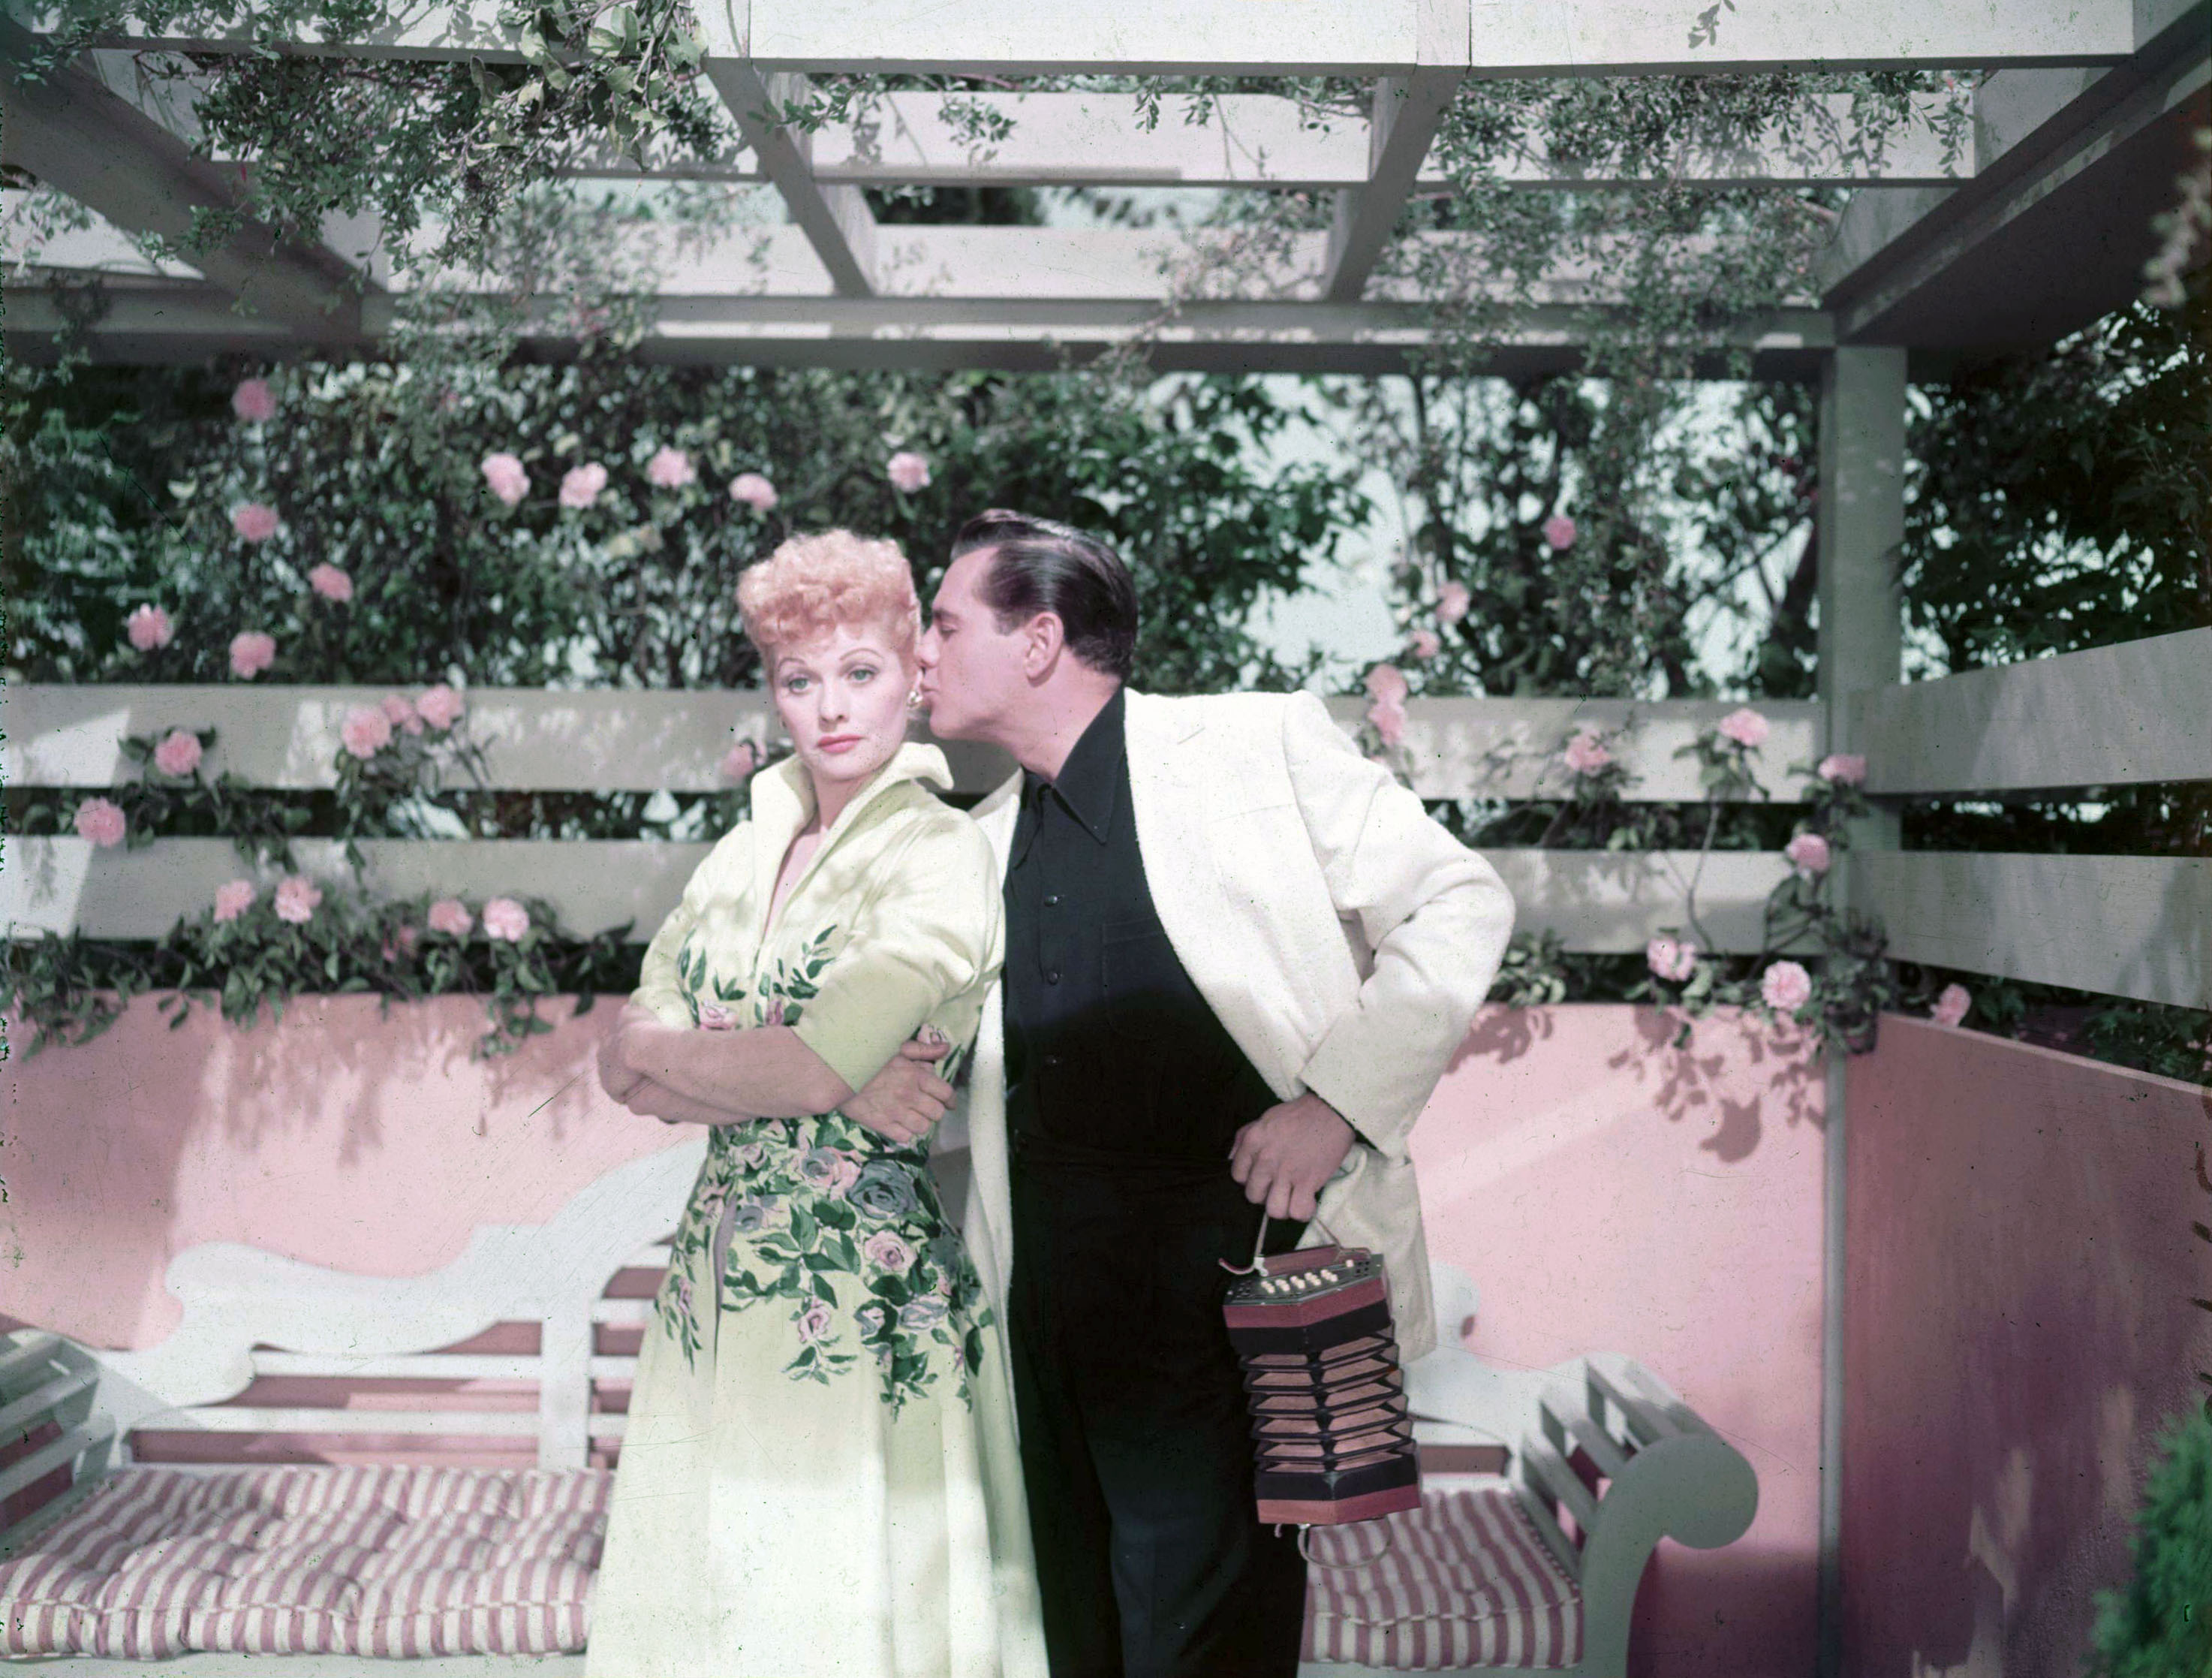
[(825, 1218)]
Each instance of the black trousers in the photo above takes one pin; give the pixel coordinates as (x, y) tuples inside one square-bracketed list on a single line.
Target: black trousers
[(1136, 1442)]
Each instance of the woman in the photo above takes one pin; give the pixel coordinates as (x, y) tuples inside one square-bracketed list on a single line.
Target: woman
[(819, 1474)]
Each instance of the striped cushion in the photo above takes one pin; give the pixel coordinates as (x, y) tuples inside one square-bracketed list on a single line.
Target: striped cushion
[(1461, 1580), (370, 1561)]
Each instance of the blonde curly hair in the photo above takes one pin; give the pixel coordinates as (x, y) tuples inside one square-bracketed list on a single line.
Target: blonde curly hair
[(811, 585)]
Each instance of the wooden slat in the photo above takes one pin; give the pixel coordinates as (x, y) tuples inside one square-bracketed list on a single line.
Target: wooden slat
[(605, 740), (1267, 140), (431, 1365), (2120, 926), (1541, 1466), (276, 1419), (1526, 38), (29, 1470), (1594, 900), (18, 1418), (623, 1313), (34, 1348), (2137, 712)]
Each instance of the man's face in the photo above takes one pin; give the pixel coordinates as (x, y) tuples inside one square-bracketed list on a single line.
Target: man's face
[(973, 679)]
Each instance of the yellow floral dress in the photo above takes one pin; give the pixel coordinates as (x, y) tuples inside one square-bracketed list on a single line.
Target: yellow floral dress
[(819, 1474)]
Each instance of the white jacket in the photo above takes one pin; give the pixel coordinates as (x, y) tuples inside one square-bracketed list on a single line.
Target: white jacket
[(1342, 937)]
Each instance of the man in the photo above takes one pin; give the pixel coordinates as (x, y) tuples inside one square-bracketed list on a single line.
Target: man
[(1238, 956)]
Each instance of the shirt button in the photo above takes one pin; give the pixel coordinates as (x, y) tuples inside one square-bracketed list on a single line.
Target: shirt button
[(1052, 901), (1052, 1059), (1053, 977)]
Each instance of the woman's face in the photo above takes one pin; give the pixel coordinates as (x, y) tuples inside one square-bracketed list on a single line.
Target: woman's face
[(843, 700)]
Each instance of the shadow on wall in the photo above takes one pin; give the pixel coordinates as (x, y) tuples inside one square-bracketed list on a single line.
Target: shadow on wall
[(1692, 1081)]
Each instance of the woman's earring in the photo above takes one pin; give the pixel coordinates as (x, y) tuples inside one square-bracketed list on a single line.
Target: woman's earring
[(914, 699)]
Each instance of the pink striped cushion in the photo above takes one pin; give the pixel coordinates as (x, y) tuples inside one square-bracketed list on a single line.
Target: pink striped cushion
[(1463, 1580), (312, 1560), (45, 1628)]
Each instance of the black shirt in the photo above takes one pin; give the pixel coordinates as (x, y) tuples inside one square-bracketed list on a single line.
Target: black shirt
[(1109, 1047)]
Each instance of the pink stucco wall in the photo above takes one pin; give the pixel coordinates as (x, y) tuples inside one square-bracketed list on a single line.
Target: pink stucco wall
[(1605, 1191), (2018, 1324)]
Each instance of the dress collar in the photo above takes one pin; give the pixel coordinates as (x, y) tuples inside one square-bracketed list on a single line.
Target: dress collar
[(783, 802)]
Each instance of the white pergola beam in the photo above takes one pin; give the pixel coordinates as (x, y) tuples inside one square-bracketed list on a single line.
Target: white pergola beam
[(834, 218), (69, 131), (1547, 38), (1404, 123), (1519, 38), (169, 321)]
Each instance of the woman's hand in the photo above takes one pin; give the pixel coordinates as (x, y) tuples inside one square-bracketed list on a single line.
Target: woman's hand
[(904, 1101), (619, 1076)]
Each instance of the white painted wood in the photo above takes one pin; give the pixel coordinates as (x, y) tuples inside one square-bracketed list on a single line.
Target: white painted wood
[(1526, 37), (1594, 900), (21, 1416), (2139, 927), (76, 1442), (296, 1419), (606, 740), (33, 1351), (2136, 712), (427, 1366), (1061, 139), (73, 134), (235, 1297), (1406, 112), (834, 218)]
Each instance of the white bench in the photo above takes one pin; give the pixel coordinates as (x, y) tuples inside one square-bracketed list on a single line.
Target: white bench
[(1605, 1459)]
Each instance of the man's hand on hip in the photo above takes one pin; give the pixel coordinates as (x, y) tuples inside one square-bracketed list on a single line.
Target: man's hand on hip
[(1284, 1156), (904, 1101)]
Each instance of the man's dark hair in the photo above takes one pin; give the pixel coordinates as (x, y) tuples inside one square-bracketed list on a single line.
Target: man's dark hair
[(1044, 565)]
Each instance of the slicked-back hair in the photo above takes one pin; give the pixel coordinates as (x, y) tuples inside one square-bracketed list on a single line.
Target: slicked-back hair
[(1041, 565)]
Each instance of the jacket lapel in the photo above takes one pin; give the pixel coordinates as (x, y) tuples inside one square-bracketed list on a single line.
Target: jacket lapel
[(1168, 767)]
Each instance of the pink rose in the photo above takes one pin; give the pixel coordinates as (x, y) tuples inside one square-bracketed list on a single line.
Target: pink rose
[(1387, 681), (450, 916), (670, 469), (739, 761), (1559, 532), (254, 521), (1843, 769), (1452, 602), (148, 627), (297, 898), (1424, 644), (179, 753), (714, 1017), (581, 485), (886, 1249), (1671, 959), (814, 1323), (1745, 726), (1586, 754), (233, 900), (1785, 987), (100, 820), (753, 490), (1950, 1006), (365, 732), (401, 943), (252, 401), (440, 707), (331, 583), (251, 653), (506, 919), (401, 715), (1809, 854), (1389, 716), (908, 472), (505, 475)]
